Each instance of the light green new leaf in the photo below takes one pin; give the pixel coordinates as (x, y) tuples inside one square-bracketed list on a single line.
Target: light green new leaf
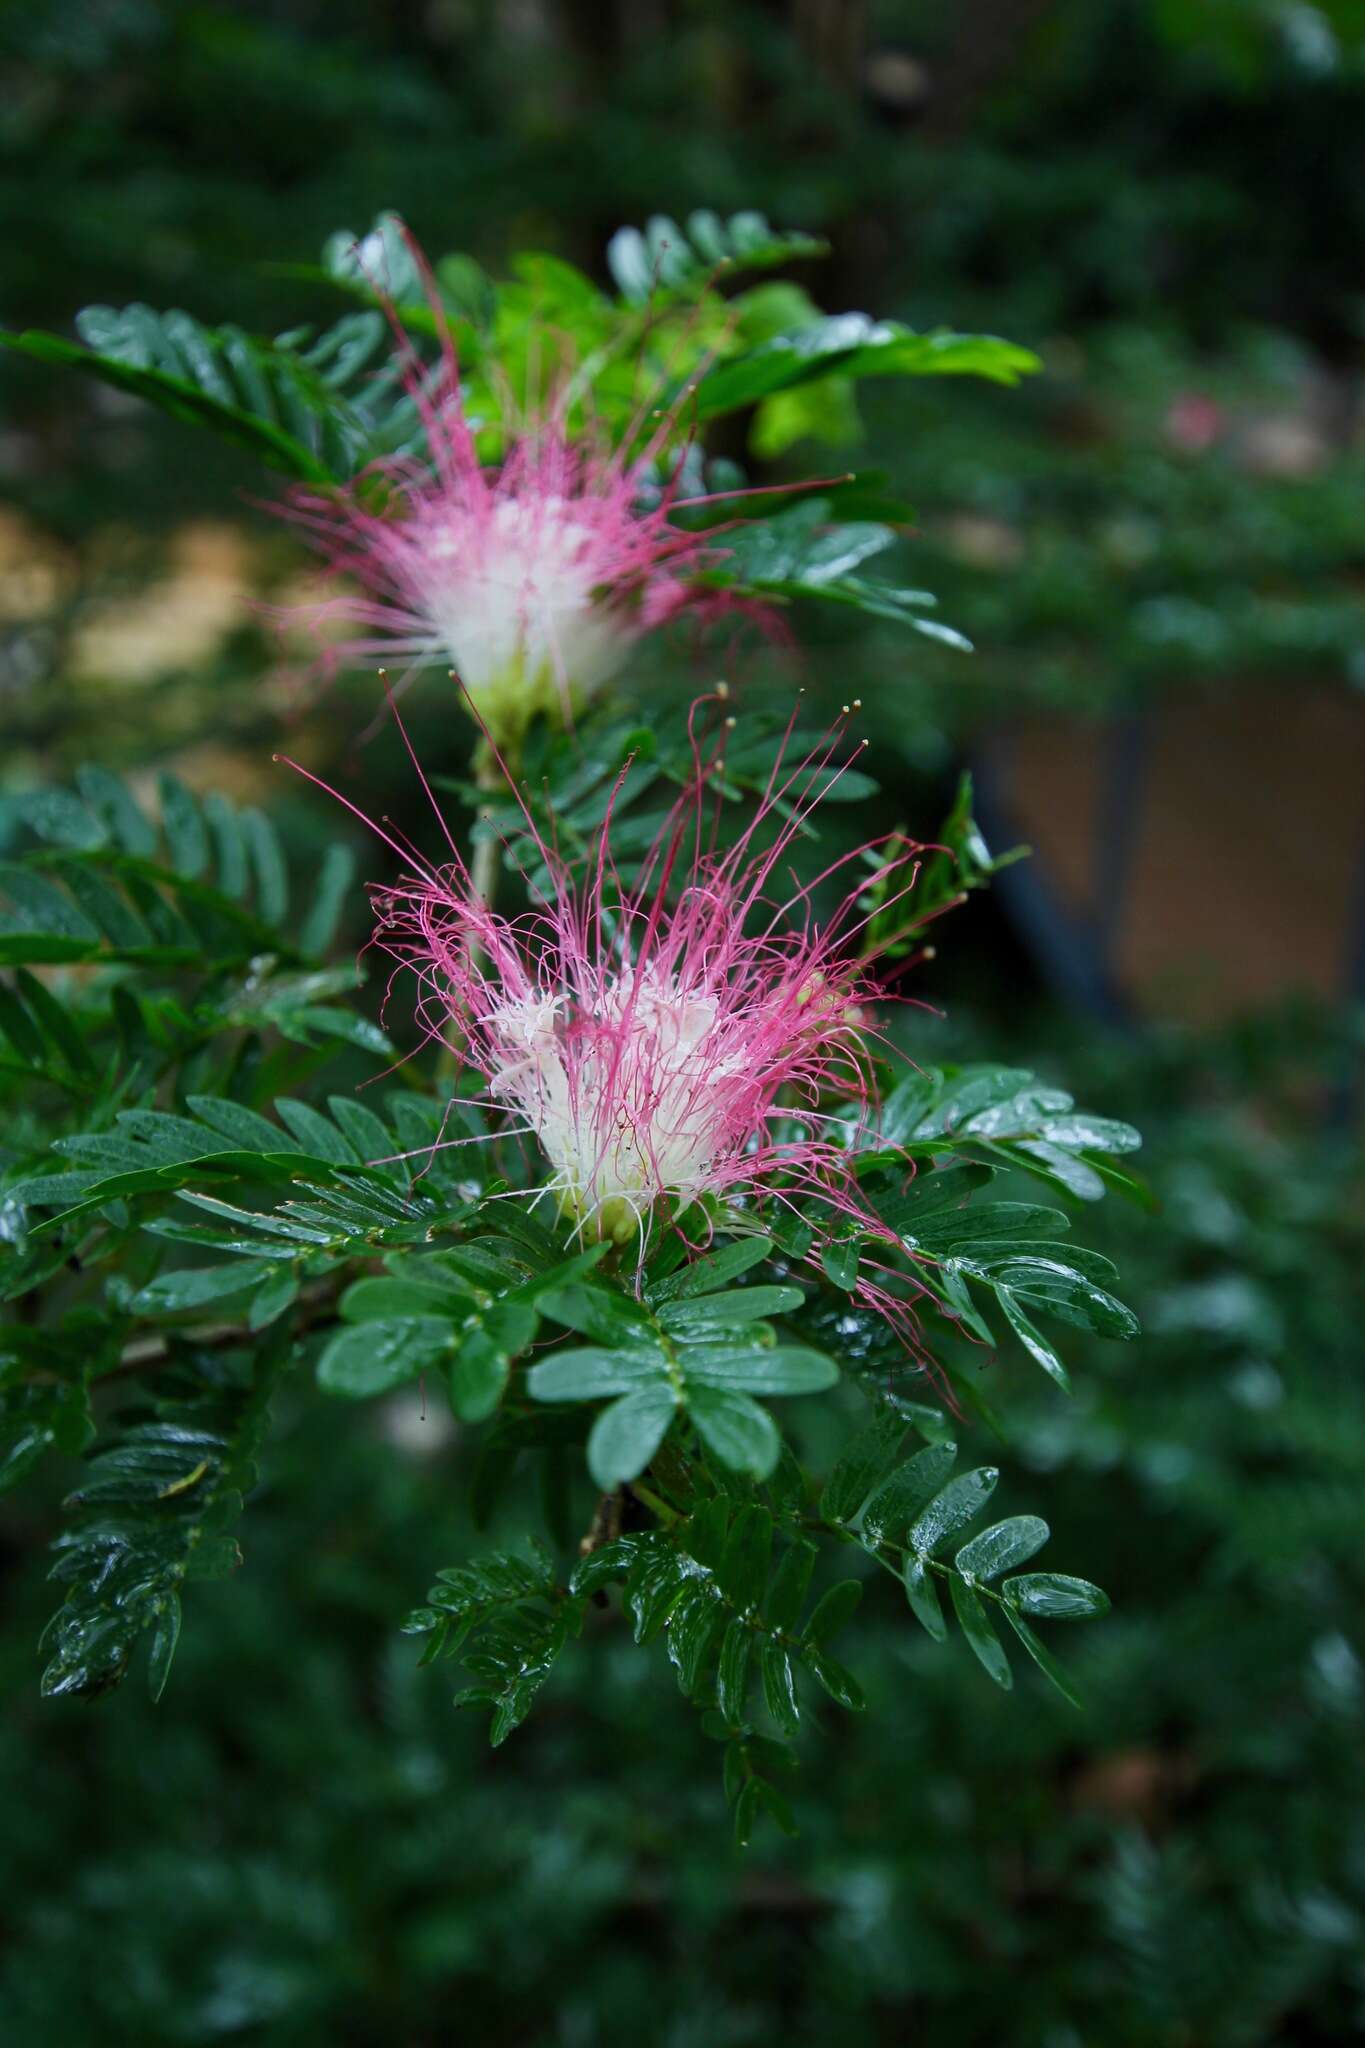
[(855, 345)]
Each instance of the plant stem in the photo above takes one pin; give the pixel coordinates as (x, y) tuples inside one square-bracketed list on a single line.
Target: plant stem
[(483, 880), (657, 1507), (483, 869)]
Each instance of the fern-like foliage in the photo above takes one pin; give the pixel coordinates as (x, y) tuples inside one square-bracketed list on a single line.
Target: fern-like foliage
[(205, 882), (665, 259), (317, 407), (726, 1585), (157, 1508)]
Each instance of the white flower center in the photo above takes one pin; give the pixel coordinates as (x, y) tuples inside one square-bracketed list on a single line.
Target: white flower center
[(512, 602), (629, 1101)]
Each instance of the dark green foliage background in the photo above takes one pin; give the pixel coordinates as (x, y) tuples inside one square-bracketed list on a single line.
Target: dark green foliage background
[(303, 1843)]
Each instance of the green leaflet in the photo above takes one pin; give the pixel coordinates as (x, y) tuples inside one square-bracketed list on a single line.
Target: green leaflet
[(855, 345), (1004, 1544), (224, 1142), (960, 1501), (472, 1311), (677, 1358), (976, 1627), (808, 552), (1055, 1596), (666, 259), (314, 410), (110, 885), (374, 1358), (626, 1435), (735, 1429)]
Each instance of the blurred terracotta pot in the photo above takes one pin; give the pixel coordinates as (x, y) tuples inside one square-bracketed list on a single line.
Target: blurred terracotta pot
[(1201, 858)]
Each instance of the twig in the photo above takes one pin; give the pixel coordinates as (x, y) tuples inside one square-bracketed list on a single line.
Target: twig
[(605, 1525), (141, 1353)]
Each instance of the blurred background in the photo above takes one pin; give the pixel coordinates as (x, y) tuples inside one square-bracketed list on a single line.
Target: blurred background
[(1157, 546)]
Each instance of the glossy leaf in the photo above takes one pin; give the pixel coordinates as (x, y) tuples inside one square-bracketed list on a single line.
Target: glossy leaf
[(1062, 1291), (960, 1501), (1002, 1546), (840, 1261), (779, 1686), (157, 1508), (1055, 1596), (589, 1373), (855, 346), (422, 1290), (478, 1373), (1040, 1654), (600, 1313), (782, 1369), (866, 1462), (901, 1496), (922, 1594), (977, 1629), (732, 1670), (842, 1687), (791, 1582), (689, 1317), (199, 1287), (1032, 1339), (716, 1270), (273, 1297)]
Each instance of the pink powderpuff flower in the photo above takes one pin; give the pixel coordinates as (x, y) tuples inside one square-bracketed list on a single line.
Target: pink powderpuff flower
[(695, 1036), (531, 579)]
